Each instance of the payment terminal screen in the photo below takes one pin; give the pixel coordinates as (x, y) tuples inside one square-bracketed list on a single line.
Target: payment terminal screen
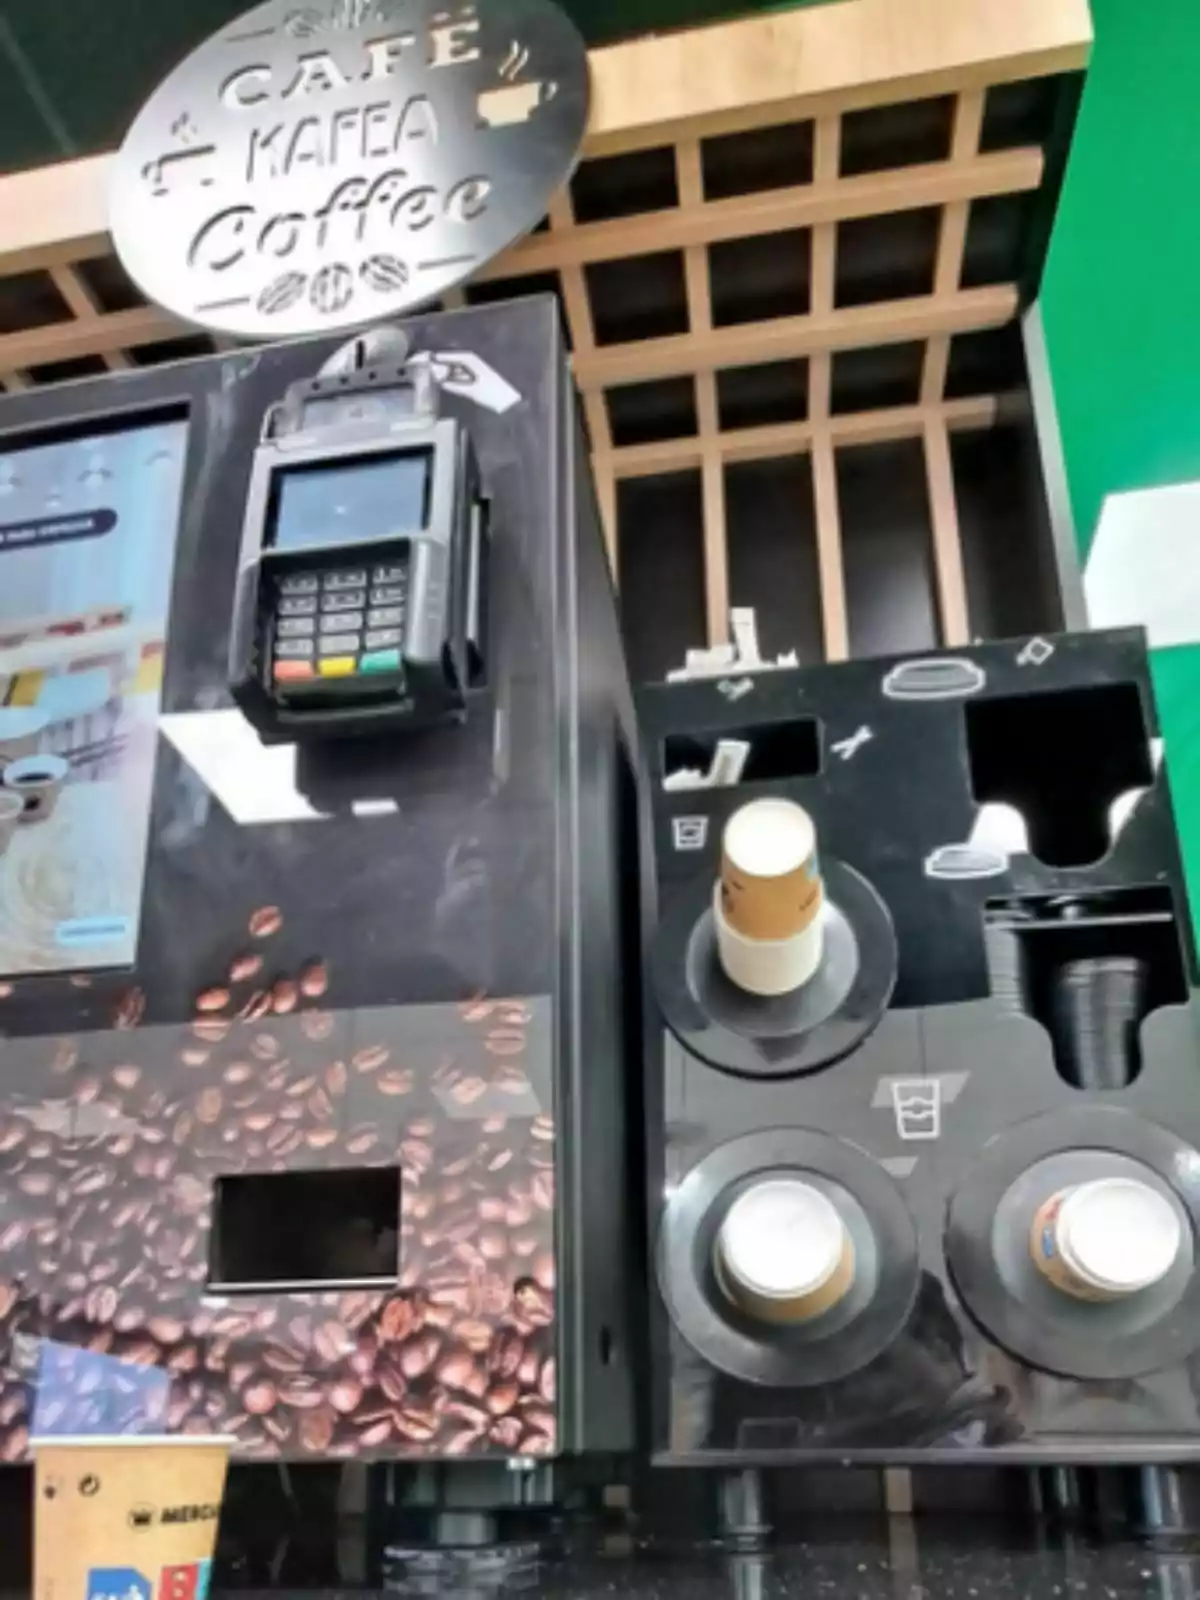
[(344, 502)]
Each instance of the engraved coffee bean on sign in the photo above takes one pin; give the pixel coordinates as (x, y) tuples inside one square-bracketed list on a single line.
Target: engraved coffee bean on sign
[(384, 273), (332, 288), (282, 293)]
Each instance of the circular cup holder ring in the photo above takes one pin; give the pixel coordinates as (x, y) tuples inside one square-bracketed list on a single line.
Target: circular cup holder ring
[(828, 1347), (987, 1246), (786, 1035)]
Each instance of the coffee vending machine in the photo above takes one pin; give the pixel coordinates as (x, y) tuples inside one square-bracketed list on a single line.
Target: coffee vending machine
[(332, 1156), (934, 1196)]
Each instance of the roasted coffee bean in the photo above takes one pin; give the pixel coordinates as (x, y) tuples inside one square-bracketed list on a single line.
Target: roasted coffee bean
[(544, 1271), (392, 1381), (9, 1296), (506, 1432), (419, 1354), (357, 1306), (321, 1138), (259, 1398), (35, 1184), (361, 1142), (346, 1396), (245, 967), (285, 997), (332, 1341), (314, 980), (210, 1029), (257, 1005), (208, 1106), (459, 1443), (316, 1024), (214, 999), (194, 1058), (316, 1430), (265, 1047), (265, 922), (12, 1137), (541, 1188), (127, 1076), (378, 1433), (475, 1334), (14, 1235), (505, 1042), (417, 1424), (167, 1330), (467, 1090), (15, 1445), (302, 1392), (525, 1245), (542, 1127), (396, 1082), (370, 1058), (536, 1444), (454, 1368), (501, 1397), (493, 1245)]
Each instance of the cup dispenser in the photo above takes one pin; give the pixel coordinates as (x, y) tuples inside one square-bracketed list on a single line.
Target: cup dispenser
[(923, 1131)]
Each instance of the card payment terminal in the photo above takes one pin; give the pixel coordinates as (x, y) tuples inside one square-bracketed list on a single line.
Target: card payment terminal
[(359, 591)]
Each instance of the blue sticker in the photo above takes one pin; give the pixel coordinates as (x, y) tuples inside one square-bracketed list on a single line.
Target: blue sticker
[(117, 1583), (204, 1576)]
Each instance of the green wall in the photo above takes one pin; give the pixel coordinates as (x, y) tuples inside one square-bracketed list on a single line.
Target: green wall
[(1121, 305)]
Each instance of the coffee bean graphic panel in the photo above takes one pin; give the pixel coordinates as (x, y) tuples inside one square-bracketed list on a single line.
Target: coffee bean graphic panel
[(305, 1173)]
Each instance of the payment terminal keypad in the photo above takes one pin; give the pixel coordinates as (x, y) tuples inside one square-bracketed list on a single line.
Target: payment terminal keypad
[(337, 624)]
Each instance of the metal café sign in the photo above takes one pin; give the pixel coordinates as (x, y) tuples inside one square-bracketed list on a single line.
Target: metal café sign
[(317, 167)]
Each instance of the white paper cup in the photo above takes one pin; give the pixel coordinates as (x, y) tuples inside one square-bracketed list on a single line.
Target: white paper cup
[(767, 967), (770, 886), (135, 1517), (37, 781), (782, 1253), (1106, 1239)]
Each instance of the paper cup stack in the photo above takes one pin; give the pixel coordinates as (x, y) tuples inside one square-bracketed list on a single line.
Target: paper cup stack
[(767, 904)]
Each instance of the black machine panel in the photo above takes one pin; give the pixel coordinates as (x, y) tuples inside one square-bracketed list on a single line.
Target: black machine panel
[(310, 1169), (1007, 806)]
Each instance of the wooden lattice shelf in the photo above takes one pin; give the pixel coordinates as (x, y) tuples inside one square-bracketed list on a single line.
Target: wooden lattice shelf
[(780, 196)]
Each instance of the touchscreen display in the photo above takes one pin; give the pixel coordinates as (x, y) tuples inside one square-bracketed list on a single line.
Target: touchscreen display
[(343, 502), (87, 545)]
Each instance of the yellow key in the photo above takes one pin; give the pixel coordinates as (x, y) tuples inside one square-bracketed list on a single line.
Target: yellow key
[(338, 666)]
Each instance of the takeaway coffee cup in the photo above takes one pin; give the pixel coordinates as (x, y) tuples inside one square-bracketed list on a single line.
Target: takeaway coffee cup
[(1106, 1239), (130, 1518), (21, 729), (769, 898), (37, 781), (783, 1253), (12, 808)]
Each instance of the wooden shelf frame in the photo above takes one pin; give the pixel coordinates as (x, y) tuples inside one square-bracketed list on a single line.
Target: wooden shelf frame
[(673, 93)]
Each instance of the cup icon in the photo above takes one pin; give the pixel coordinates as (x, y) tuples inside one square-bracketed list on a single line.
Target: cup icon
[(126, 1518), (37, 782), (513, 103)]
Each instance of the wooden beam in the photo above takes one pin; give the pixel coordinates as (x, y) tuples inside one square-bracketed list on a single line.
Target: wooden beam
[(83, 304), (947, 541), (752, 344), (61, 341), (827, 513), (689, 173), (799, 63), (952, 239), (797, 438), (827, 200)]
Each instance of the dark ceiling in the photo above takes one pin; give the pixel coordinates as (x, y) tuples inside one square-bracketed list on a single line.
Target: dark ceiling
[(73, 72)]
